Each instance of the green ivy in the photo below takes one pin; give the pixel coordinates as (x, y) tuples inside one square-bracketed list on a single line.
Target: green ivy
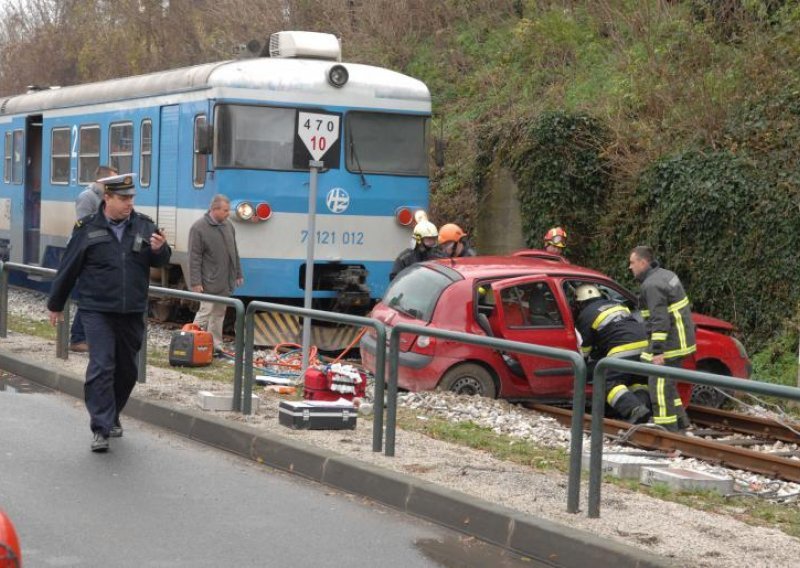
[(562, 175)]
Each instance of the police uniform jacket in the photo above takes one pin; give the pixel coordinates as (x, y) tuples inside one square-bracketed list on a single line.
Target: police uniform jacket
[(608, 329), (114, 275), (667, 314)]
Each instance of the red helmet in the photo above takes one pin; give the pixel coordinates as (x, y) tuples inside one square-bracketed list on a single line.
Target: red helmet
[(556, 237), (10, 555)]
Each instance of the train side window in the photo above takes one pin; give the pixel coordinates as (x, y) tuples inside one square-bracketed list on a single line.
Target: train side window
[(18, 159), (200, 159), (145, 152), (120, 146), (88, 153), (7, 160), (59, 156)]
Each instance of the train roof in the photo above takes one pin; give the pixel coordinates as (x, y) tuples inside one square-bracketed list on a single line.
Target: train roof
[(276, 76)]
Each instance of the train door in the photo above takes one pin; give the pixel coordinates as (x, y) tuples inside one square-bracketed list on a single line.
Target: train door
[(168, 172), (33, 188)]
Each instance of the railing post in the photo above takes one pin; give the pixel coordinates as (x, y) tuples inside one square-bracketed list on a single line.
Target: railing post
[(239, 342), (3, 300), (380, 387), (391, 403), (596, 456), (62, 334), (249, 333), (576, 438)]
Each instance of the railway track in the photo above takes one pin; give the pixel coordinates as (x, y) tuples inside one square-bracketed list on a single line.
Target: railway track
[(731, 452)]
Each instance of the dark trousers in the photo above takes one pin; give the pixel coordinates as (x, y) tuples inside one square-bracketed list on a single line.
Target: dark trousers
[(114, 342), (668, 408), (76, 333)]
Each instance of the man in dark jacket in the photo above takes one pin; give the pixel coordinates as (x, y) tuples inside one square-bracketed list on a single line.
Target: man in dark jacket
[(608, 329), (214, 264), (425, 235), (112, 252), (671, 333)]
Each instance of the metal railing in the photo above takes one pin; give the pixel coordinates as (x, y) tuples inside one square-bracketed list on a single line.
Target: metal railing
[(578, 400), (380, 355), (636, 368), (62, 329)]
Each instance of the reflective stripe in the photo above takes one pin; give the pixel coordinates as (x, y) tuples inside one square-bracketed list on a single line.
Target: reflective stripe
[(615, 394), (670, 354), (645, 313), (628, 349), (602, 318), (681, 330), (638, 387), (586, 350), (678, 305), (677, 402), (666, 420), (661, 399), (658, 336)]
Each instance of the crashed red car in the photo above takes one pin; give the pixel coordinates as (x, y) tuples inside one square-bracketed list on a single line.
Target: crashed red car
[(527, 298)]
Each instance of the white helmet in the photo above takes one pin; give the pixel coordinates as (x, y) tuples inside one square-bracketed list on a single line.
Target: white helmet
[(425, 229), (586, 292)]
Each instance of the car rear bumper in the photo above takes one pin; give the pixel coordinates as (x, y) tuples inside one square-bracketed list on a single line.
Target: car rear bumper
[(405, 358)]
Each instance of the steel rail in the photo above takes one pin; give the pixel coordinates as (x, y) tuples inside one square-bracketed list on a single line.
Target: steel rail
[(765, 428), (707, 450)]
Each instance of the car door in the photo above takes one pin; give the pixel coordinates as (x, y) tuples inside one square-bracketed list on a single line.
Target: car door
[(530, 309)]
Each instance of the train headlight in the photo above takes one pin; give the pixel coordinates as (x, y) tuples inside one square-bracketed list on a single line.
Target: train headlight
[(338, 76), (244, 211)]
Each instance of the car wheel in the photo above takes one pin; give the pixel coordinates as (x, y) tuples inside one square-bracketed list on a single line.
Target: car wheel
[(469, 378), (704, 395)]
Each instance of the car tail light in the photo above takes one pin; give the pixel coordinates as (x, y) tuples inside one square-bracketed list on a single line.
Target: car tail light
[(404, 216), (263, 211), (424, 344)]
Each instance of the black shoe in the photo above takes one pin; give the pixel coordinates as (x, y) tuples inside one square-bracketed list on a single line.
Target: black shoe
[(116, 430), (99, 443), (639, 414)]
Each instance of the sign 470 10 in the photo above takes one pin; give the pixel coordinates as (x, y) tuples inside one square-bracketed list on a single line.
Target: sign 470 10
[(318, 132)]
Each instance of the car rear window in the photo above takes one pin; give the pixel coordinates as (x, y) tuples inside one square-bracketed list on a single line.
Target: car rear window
[(416, 291)]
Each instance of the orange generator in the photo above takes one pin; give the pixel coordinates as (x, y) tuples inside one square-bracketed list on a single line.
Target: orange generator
[(191, 347)]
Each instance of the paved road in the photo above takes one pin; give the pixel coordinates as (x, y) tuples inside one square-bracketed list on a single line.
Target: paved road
[(160, 500)]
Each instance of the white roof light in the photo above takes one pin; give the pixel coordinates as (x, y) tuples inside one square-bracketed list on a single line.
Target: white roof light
[(311, 45)]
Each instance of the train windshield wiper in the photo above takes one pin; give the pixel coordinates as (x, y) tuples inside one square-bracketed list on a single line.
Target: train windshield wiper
[(351, 144)]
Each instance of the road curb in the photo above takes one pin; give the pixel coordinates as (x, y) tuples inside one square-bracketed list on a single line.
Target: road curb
[(552, 543)]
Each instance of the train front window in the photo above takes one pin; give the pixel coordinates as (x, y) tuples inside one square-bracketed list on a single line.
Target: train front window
[(254, 137), (381, 143)]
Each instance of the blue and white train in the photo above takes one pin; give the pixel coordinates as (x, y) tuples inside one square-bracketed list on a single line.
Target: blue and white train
[(232, 128)]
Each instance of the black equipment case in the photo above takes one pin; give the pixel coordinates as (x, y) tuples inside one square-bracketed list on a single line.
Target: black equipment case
[(317, 415)]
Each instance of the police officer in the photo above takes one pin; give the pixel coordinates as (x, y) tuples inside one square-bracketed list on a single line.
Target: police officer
[(111, 251), (608, 329), (668, 318)]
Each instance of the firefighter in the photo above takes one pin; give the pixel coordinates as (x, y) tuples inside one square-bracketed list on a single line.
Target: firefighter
[(555, 241), (671, 333), (425, 235), (453, 242), (608, 329)]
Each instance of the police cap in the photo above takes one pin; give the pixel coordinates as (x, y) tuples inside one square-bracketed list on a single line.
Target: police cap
[(120, 184)]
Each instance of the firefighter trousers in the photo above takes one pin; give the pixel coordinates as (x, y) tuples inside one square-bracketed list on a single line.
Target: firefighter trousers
[(668, 408)]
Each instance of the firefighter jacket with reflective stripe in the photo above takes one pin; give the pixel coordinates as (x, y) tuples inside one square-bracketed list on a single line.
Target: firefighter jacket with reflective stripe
[(608, 329), (667, 314)]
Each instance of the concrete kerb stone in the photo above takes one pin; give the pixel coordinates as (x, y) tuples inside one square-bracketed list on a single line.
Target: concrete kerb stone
[(557, 544)]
